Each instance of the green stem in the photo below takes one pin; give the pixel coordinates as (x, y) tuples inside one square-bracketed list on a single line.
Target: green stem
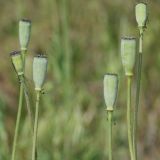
[(35, 126), (66, 46), (65, 39), (20, 104), (141, 40), (139, 70), (129, 118), (28, 105), (24, 58), (17, 122), (110, 133)]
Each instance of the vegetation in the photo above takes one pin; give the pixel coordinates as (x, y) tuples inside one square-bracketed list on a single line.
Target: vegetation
[(72, 124)]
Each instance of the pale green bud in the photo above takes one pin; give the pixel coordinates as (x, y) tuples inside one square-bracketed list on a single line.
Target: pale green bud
[(141, 14), (110, 90), (17, 62), (24, 33), (128, 54), (39, 71)]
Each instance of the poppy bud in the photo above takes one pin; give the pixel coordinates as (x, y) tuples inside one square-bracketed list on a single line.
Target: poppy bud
[(17, 62), (24, 33), (141, 14), (128, 54), (110, 90), (39, 71)]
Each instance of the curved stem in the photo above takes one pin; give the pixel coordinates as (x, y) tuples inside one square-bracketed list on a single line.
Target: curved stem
[(110, 133), (35, 126), (129, 118), (139, 70)]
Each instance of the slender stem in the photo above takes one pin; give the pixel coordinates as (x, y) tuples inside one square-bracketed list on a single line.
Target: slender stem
[(20, 104), (129, 118), (141, 40), (28, 105), (110, 133), (24, 58), (65, 38), (139, 70), (66, 46), (35, 127), (17, 122), (27, 98)]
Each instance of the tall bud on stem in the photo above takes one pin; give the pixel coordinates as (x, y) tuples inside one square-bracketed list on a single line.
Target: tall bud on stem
[(141, 13), (39, 74), (110, 95), (128, 54)]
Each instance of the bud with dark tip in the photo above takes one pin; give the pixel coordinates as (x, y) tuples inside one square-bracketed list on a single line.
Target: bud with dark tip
[(128, 54), (141, 14), (110, 90), (39, 71), (24, 33), (17, 62)]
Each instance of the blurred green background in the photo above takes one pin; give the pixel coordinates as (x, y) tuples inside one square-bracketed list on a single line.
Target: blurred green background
[(81, 39)]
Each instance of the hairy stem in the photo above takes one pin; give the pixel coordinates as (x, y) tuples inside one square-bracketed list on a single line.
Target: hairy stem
[(129, 117), (35, 126), (110, 133)]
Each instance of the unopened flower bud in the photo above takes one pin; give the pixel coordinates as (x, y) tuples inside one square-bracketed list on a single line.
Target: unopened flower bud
[(24, 33), (128, 54), (17, 62), (110, 90), (39, 71), (141, 14)]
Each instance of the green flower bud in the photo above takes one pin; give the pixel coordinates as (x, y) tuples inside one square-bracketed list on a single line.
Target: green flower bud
[(128, 54), (110, 90), (39, 71), (24, 33), (17, 62), (141, 14)]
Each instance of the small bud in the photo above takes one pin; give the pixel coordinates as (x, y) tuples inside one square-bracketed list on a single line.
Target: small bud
[(17, 62), (141, 14), (39, 71), (110, 90), (128, 54), (24, 33)]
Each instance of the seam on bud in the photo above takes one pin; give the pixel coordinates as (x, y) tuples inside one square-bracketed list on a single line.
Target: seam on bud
[(24, 33), (128, 54), (110, 90), (39, 71), (17, 62)]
